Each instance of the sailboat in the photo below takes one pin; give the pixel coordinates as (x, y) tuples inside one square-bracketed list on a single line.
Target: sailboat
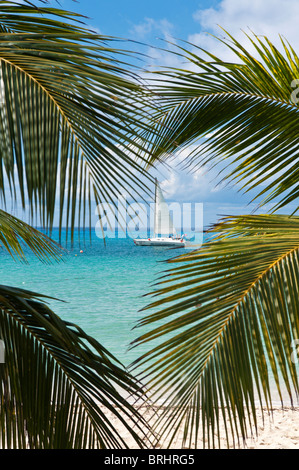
[(164, 231)]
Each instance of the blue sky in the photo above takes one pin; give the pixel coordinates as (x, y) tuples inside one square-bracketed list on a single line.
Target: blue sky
[(120, 18), (191, 20)]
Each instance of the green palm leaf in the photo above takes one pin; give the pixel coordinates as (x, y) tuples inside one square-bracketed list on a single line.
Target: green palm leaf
[(247, 111), (71, 116), (58, 385), (16, 236), (229, 314)]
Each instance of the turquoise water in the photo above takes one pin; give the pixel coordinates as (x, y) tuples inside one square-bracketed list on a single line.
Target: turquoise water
[(103, 287)]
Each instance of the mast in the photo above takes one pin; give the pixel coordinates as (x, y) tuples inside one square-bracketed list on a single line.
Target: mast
[(155, 207)]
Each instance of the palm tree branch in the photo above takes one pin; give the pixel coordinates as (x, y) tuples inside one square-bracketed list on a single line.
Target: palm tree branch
[(94, 104), (90, 375), (248, 108), (238, 330), (51, 97), (15, 234), (242, 299)]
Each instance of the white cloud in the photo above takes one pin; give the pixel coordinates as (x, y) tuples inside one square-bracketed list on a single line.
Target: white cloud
[(181, 185), (158, 35), (149, 26), (269, 17)]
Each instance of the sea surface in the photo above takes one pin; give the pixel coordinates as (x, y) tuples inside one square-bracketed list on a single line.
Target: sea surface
[(103, 286)]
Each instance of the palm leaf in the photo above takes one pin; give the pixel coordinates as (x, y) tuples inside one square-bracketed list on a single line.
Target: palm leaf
[(226, 319), (71, 116), (241, 117), (16, 237), (58, 385)]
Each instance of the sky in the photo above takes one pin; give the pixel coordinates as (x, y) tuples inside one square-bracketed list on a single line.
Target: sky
[(154, 22), (189, 20)]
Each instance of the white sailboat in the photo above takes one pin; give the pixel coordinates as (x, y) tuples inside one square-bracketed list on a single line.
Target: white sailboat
[(164, 231)]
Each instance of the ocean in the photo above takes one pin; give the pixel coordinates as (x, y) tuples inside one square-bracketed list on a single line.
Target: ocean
[(102, 286)]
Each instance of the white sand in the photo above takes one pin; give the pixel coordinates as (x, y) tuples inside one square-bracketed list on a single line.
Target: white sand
[(280, 430)]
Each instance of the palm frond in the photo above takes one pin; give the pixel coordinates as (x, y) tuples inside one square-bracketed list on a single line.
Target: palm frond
[(226, 319), (242, 116), (72, 112), (16, 237), (58, 386)]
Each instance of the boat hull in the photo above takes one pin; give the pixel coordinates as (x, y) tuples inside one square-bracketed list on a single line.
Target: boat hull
[(170, 242)]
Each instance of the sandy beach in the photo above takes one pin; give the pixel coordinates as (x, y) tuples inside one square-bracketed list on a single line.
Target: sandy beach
[(278, 430)]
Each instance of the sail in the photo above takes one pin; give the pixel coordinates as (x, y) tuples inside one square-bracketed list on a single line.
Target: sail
[(163, 224)]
